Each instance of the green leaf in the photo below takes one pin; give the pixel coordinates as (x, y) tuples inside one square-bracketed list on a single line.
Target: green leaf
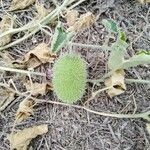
[(116, 58), (60, 38), (110, 25), (143, 52), (122, 36), (136, 60)]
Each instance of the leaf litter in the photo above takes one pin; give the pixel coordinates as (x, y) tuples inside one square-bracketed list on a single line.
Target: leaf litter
[(25, 110), (84, 21), (116, 82), (41, 54), (5, 25), (20, 4), (21, 139), (7, 97), (38, 88)]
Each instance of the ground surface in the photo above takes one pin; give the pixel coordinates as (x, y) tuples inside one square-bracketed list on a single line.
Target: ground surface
[(74, 129)]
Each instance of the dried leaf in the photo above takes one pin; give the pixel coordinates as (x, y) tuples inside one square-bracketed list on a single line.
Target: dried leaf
[(21, 139), (20, 4), (5, 25), (6, 98), (39, 55), (71, 17), (41, 10), (38, 88), (85, 21), (116, 82), (25, 110), (148, 127), (7, 59), (144, 1)]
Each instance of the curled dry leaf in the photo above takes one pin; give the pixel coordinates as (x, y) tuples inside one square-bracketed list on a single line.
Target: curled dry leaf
[(6, 98), (144, 1), (39, 55), (116, 82), (38, 88), (25, 110), (20, 4), (71, 17), (85, 21), (41, 10), (148, 127), (5, 25), (21, 139)]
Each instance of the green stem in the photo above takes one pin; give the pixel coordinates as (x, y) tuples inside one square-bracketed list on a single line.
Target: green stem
[(138, 81), (89, 46), (101, 79), (144, 115), (35, 25), (21, 71), (19, 40), (126, 80)]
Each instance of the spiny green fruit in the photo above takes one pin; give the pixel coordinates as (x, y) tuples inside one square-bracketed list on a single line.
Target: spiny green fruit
[(69, 77)]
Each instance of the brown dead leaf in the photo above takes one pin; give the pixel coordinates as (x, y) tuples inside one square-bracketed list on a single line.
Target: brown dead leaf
[(144, 1), (148, 127), (71, 17), (5, 25), (21, 139), (39, 55), (116, 81), (20, 4), (85, 21), (6, 97), (7, 59), (41, 10), (38, 88), (25, 110)]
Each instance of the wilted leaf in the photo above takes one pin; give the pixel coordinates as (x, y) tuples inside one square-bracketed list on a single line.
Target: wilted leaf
[(25, 110), (110, 25), (85, 21), (41, 10), (116, 58), (5, 25), (21, 139), (117, 82), (60, 38), (20, 4), (148, 127), (39, 55), (139, 59), (71, 17), (38, 88), (6, 97), (144, 1)]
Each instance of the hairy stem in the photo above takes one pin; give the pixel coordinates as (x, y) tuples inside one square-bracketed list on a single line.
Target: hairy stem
[(34, 25), (144, 115), (21, 71)]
